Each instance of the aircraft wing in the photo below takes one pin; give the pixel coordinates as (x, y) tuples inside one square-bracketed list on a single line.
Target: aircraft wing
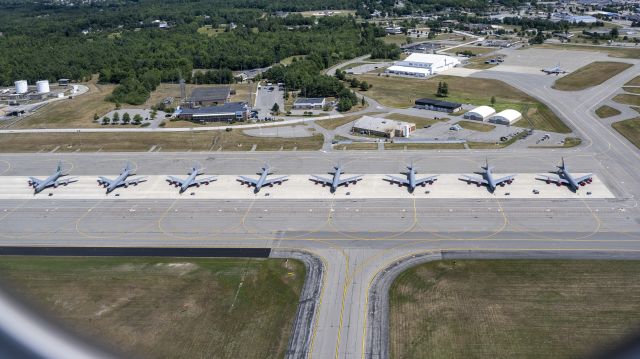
[(244, 179), (319, 179), (66, 181), (104, 180), (505, 179), (36, 181), (350, 179), (473, 179), (426, 179), (583, 178), (554, 179), (276, 180), (205, 180), (135, 181), (172, 179), (397, 179)]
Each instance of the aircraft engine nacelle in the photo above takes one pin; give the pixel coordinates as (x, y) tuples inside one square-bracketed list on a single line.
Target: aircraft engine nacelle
[(55, 185), (30, 183), (424, 184), (510, 181), (206, 183), (548, 182), (198, 185), (582, 184), (135, 184), (502, 184), (558, 184), (125, 185), (477, 184)]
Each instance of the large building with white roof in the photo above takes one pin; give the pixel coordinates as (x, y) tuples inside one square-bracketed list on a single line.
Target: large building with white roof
[(383, 127), (506, 117), (480, 113), (423, 65)]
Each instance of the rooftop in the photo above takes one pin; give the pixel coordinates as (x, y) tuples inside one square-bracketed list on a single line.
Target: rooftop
[(230, 107), (438, 103), (379, 124), (429, 58), (210, 94), (312, 100)]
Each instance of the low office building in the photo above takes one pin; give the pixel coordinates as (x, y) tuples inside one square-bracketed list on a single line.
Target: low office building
[(229, 112), (506, 117), (423, 65), (208, 96), (437, 105), (304, 103), (480, 113), (383, 127)]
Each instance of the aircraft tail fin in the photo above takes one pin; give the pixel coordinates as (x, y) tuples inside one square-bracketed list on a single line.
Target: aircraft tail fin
[(59, 168)]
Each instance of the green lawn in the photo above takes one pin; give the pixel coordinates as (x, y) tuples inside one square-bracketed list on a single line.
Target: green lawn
[(633, 90), (606, 111), (399, 39), (634, 82), (476, 126), (630, 129), (402, 92), (423, 146), (366, 146), (476, 50), (512, 308), (168, 307), (627, 99), (590, 75)]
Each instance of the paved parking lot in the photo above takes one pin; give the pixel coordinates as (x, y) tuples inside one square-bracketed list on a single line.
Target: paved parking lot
[(265, 98)]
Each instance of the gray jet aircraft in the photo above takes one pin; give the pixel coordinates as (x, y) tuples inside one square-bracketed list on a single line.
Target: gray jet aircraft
[(411, 181), (121, 180), (191, 180), (487, 178), (557, 70), (335, 181), (564, 177), (262, 180), (51, 181)]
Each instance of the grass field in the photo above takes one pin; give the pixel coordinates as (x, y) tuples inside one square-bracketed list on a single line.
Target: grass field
[(590, 75), (423, 146), (289, 60), (627, 99), (399, 39), (634, 82), (633, 90), (402, 92), (606, 111), (164, 141), (77, 112), (630, 129), (512, 308), (358, 146), (630, 53), (333, 123), (476, 50), (419, 121), (168, 307), (476, 126)]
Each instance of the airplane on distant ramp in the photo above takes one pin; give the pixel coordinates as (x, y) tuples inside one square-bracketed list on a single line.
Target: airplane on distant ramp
[(564, 177), (487, 178), (121, 180), (191, 180), (262, 180), (411, 181), (51, 181), (557, 70), (335, 181)]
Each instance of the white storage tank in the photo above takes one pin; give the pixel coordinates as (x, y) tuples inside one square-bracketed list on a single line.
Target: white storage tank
[(42, 86), (21, 86)]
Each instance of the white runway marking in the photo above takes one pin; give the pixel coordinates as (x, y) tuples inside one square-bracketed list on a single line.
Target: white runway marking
[(300, 187)]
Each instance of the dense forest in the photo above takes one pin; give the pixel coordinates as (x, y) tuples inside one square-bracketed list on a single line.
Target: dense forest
[(121, 40)]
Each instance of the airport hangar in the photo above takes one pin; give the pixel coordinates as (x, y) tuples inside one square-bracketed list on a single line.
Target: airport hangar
[(423, 65)]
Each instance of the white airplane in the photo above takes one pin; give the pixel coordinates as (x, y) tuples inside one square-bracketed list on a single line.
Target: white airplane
[(411, 181), (51, 181), (121, 180), (335, 181), (564, 177), (487, 179), (191, 180), (557, 70), (262, 180)]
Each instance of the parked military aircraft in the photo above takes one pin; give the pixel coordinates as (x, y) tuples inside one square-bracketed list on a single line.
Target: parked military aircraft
[(487, 178), (51, 181), (411, 181), (564, 177), (262, 180), (191, 180), (557, 70), (121, 180), (335, 181)]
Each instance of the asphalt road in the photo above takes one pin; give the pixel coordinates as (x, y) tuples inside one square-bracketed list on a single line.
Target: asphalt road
[(355, 239)]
